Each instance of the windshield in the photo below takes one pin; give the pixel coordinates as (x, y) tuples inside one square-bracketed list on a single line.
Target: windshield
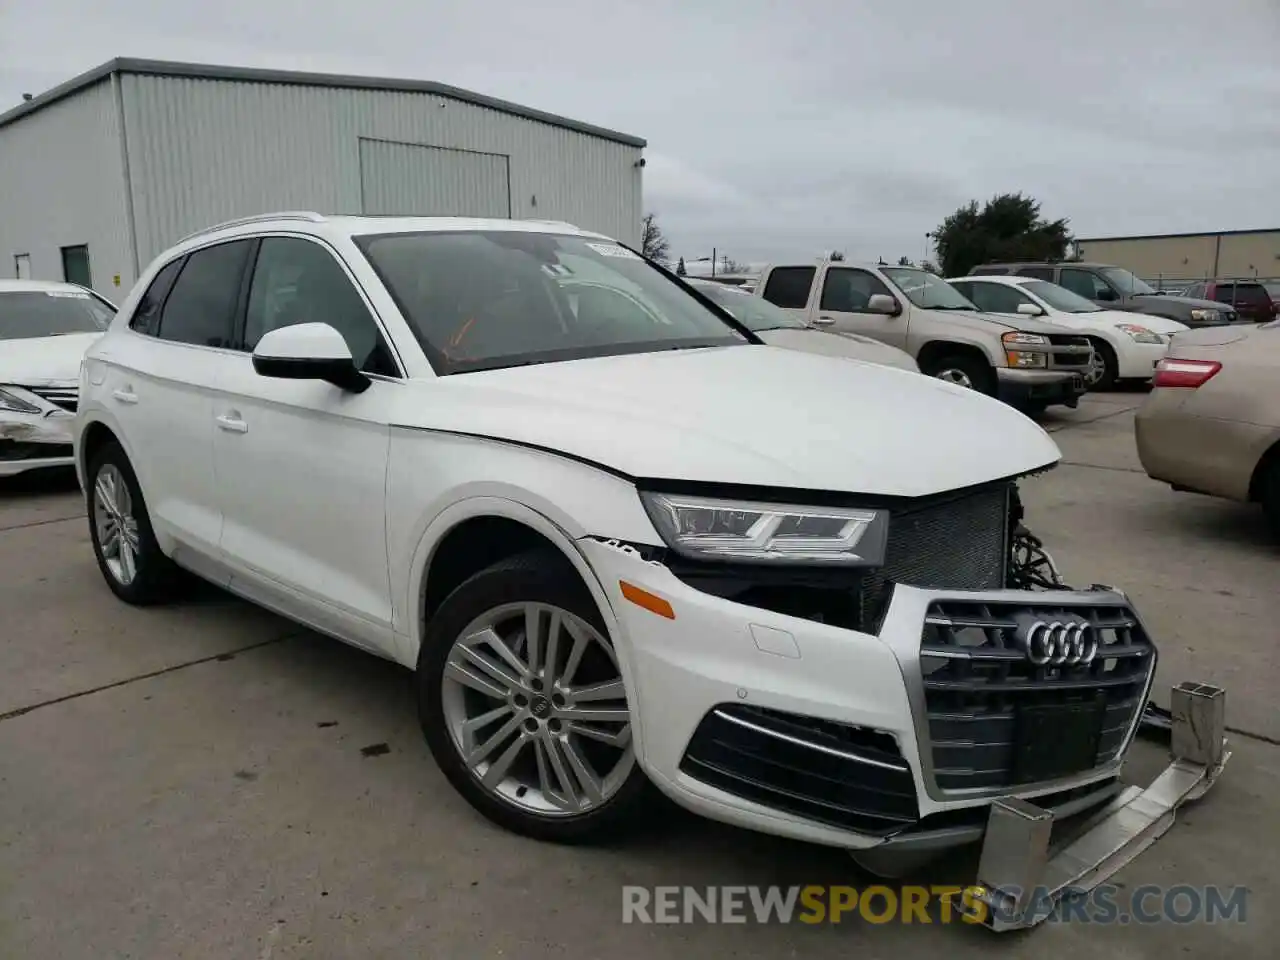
[(38, 313), (1126, 282), (927, 291), (485, 300), (1060, 298), (754, 313)]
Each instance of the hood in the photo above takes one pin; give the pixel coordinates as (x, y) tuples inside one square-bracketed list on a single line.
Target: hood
[(1153, 323), (35, 360), (1191, 303), (848, 345), (752, 414), (1005, 321)]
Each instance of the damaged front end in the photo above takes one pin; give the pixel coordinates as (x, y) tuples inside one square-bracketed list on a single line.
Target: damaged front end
[(36, 426), (1026, 867)]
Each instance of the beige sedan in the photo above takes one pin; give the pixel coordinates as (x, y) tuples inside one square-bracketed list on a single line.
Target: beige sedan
[(1212, 421)]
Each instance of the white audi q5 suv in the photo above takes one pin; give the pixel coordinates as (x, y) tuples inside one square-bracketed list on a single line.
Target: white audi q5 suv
[(621, 541)]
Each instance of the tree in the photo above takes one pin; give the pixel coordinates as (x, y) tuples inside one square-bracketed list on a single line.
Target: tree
[(928, 266), (652, 243), (732, 266), (905, 262), (1007, 227), (680, 270)]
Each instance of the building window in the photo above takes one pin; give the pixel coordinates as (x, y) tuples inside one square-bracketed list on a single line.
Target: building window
[(75, 265)]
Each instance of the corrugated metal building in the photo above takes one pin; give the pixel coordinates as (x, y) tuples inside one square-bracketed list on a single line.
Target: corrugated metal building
[(100, 174), (1190, 256)]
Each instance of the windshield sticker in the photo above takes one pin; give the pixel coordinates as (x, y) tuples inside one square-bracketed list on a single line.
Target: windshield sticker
[(66, 295), (612, 250)]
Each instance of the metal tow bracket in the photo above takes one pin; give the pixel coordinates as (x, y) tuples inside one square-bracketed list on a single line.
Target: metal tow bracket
[(1021, 878)]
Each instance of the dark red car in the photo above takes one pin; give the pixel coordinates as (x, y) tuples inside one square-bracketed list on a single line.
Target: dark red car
[(1250, 298)]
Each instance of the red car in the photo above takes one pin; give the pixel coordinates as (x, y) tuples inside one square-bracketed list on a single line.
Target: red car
[(1251, 299)]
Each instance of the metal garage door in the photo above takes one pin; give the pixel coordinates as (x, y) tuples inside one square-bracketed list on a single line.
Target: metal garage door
[(410, 179)]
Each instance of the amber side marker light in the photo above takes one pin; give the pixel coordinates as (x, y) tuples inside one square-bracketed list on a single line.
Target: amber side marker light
[(1184, 373), (647, 600)]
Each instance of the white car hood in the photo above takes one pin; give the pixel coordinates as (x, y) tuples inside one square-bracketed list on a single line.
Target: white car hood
[(36, 360), (756, 415), (850, 346)]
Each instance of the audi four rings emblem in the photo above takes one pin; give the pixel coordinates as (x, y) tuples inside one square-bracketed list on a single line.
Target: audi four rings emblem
[(1066, 642)]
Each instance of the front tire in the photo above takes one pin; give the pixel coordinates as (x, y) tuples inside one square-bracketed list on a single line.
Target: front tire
[(124, 542), (1105, 370), (964, 371), (522, 703)]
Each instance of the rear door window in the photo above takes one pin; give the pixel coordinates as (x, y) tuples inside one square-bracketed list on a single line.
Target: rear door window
[(788, 287), (201, 308)]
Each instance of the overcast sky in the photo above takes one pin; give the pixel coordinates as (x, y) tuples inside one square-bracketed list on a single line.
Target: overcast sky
[(786, 129)]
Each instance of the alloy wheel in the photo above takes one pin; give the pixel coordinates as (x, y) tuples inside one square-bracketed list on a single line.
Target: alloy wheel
[(956, 376), (115, 525), (535, 706), (1097, 368)]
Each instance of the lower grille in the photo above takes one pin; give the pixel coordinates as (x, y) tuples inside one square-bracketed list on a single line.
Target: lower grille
[(995, 718), (824, 771), (65, 397), (1076, 357), (13, 450)]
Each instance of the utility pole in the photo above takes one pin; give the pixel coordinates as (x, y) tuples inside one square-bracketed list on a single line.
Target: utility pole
[(713, 261)]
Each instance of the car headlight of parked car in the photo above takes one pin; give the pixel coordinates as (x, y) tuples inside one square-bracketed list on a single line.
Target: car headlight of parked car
[(1023, 358), (1204, 315), (11, 401), (702, 528), (1141, 334)]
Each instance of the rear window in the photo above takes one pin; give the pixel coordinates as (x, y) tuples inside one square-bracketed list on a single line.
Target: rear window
[(1254, 293), (788, 287)]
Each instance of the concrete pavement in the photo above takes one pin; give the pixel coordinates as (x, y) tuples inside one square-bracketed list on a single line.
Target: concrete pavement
[(210, 781)]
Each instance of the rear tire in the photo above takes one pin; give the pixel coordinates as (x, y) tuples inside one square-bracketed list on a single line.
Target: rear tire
[(963, 371), (507, 732), (124, 542)]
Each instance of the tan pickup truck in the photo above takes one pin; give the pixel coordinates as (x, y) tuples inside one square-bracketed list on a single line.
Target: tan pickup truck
[(1026, 362)]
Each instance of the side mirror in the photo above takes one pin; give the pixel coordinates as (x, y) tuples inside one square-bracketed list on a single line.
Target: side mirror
[(1104, 293), (1030, 310), (308, 351), (883, 303)]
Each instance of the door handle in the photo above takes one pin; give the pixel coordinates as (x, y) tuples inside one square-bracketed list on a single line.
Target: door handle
[(125, 396), (824, 321), (232, 424)]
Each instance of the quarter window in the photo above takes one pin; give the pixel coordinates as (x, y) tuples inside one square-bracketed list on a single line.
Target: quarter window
[(201, 309), (788, 287), (298, 281), (846, 290), (146, 316)]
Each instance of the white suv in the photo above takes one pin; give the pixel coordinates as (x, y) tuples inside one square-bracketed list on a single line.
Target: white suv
[(621, 541)]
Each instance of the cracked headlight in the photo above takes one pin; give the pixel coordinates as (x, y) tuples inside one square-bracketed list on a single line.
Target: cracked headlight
[(753, 532), (11, 402)]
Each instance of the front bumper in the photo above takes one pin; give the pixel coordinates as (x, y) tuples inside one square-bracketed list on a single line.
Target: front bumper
[(717, 662), (1137, 361), (1029, 387), (33, 442)]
